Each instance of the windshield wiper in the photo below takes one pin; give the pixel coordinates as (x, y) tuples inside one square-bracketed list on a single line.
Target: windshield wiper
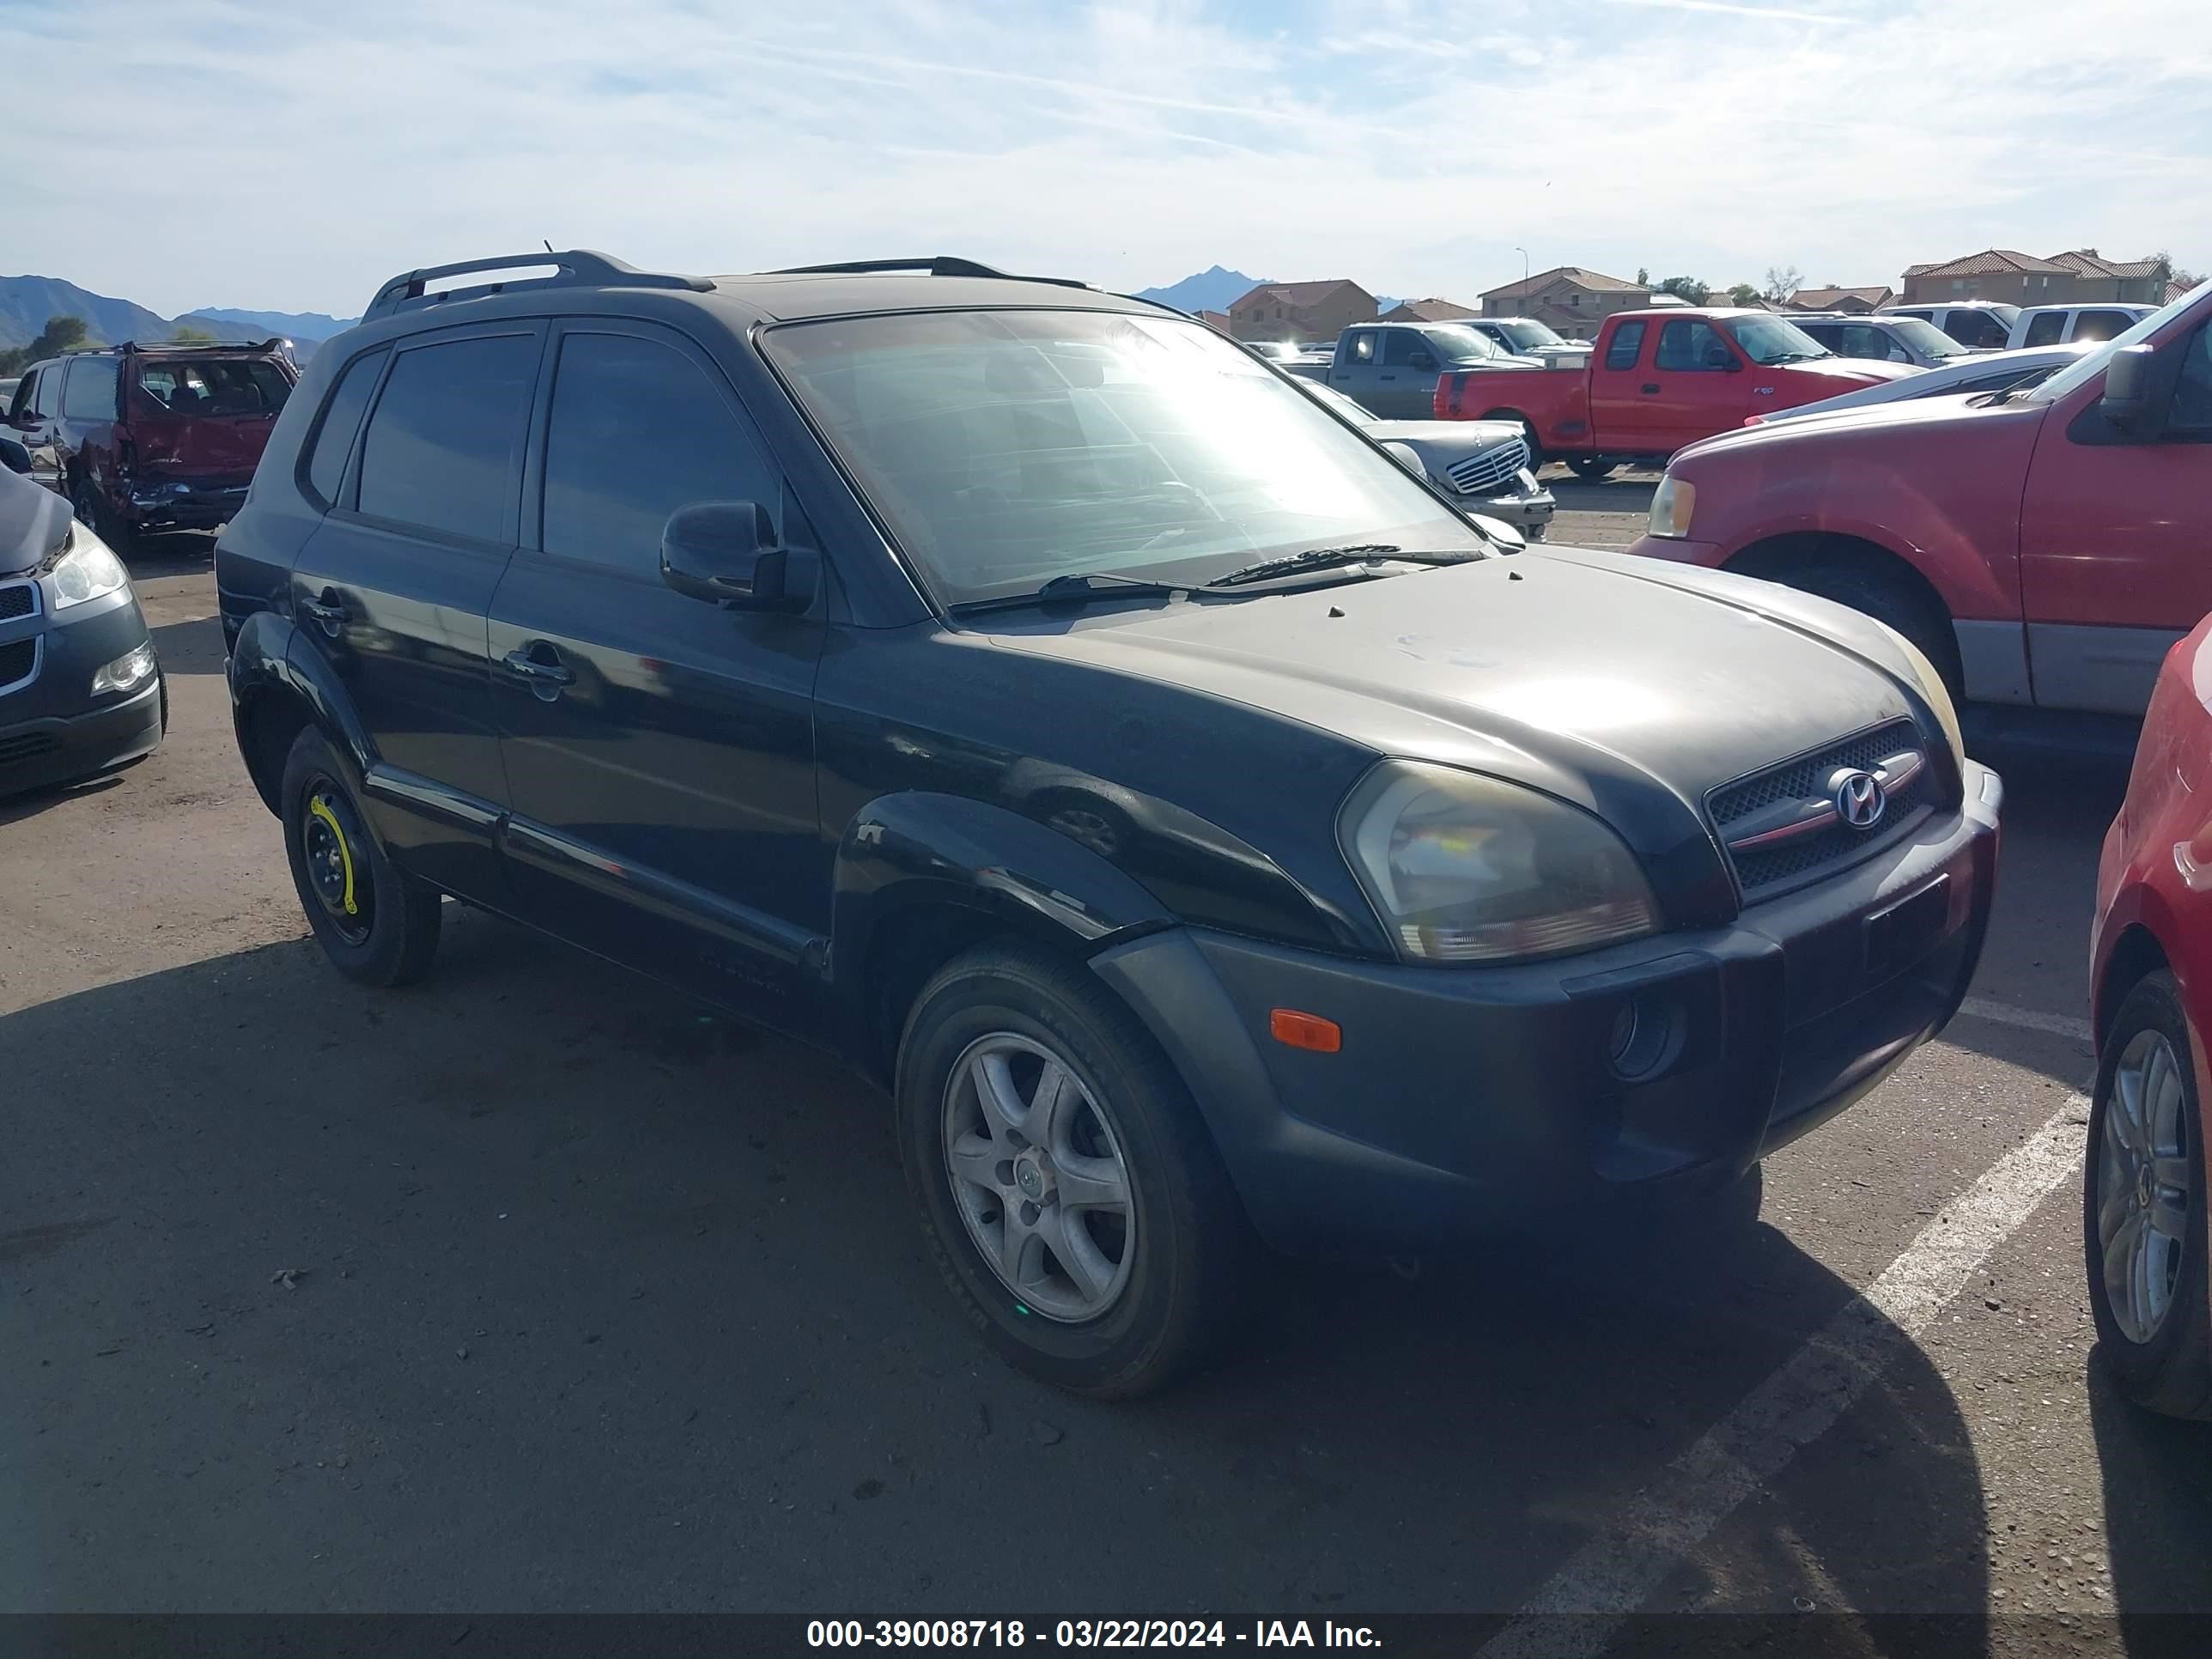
[(1796, 357), (1322, 558), (1076, 587)]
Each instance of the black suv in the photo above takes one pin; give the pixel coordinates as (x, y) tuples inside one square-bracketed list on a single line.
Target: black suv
[(1202, 827)]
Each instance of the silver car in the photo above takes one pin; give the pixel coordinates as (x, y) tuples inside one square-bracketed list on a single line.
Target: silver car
[(1973, 372), (1881, 339), (1525, 337), (1485, 463)]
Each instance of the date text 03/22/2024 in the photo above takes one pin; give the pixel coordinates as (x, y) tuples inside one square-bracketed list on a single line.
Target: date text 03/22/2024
[(1086, 1633)]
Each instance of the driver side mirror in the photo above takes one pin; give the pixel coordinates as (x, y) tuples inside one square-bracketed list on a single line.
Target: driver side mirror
[(1721, 357), (14, 456), (2127, 402), (1421, 360), (727, 553)]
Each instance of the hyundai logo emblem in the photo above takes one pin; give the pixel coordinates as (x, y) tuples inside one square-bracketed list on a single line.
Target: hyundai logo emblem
[(1859, 799)]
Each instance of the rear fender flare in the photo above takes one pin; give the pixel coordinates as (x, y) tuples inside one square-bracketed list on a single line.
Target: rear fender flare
[(266, 663)]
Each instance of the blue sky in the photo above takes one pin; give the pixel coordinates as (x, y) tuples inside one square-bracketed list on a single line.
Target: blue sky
[(292, 157)]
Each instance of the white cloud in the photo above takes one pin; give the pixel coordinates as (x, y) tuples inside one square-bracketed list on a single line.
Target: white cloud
[(294, 157)]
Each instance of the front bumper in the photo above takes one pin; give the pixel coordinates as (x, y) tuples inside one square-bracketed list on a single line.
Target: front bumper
[(1466, 1101), (52, 729), (1529, 510)]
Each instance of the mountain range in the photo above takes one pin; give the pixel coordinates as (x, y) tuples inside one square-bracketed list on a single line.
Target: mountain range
[(26, 303)]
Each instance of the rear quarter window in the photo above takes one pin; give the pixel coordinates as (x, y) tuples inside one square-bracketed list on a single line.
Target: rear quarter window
[(340, 421), (1626, 346), (89, 392)]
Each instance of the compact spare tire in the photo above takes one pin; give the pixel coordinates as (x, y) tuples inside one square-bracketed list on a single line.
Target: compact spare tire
[(376, 923), (1068, 1193)]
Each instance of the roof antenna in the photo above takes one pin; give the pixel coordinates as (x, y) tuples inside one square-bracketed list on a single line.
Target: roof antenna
[(549, 246)]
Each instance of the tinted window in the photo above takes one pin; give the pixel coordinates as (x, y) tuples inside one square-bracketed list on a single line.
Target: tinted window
[(2046, 328), (2191, 410), (1976, 328), (341, 419), (89, 394), (20, 404), (216, 385), (1627, 345), (2101, 324), (1401, 345), (638, 430), (1363, 347), (442, 448), (48, 392), (1689, 342)]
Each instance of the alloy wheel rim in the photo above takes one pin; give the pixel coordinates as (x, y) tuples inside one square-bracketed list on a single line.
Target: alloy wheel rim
[(335, 869), (1039, 1177), (2144, 1182)]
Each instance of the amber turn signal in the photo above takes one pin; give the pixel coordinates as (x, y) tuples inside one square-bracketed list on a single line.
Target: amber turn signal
[(1297, 1030)]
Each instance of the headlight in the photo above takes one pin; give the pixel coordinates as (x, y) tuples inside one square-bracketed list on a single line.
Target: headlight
[(1672, 504), (126, 673), (1933, 688), (85, 570), (1464, 868)]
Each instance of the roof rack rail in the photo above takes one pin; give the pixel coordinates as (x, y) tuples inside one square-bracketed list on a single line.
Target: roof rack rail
[(578, 268), (944, 264), (274, 342)]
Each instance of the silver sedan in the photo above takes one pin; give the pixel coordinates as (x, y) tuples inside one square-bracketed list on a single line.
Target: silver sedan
[(1483, 463)]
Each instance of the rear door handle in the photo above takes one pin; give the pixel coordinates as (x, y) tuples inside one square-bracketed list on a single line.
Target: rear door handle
[(545, 676), (328, 609)]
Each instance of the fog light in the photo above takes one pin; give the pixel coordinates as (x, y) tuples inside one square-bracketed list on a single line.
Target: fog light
[(1644, 1038), (127, 673)]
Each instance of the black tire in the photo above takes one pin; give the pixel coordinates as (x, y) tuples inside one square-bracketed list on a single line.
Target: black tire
[(1189, 1248), (380, 926), (1536, 456), (1591, 470), (2171, 1372), (1887, 598), (91, 509)]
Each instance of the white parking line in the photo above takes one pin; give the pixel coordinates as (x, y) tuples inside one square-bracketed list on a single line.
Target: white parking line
[(1615, 1573), (2027, 1019)]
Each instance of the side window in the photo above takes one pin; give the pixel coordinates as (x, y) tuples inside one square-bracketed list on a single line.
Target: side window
[(1627, 345), (340, 419), (1976, 328), (2101, 324), (1401, 345), (2045, 328), (90, 394), (19, 407), (1689, 344), (1363, 347), (444, 443), (2191, 410), (48, 393), (609, 487)]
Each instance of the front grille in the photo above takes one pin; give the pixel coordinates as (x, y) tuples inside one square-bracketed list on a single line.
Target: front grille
[(1760, 871), (29, 745), (18, 599), (19, 661), (1491, 473)]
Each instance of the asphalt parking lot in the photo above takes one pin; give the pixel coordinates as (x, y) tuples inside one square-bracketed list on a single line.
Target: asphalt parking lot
[(536, 1289)]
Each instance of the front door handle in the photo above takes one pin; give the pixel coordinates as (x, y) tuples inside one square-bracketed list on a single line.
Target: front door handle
[(545, 677), (1651, 387), (328, 611)]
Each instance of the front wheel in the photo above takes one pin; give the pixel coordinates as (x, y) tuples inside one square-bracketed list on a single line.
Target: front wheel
[(2142, 1207), (1890, 598), (1590, 469), (1528, 434), (91, 511), (1068, 1193)]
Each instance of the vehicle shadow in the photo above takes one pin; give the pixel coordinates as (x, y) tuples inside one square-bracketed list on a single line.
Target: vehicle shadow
[(189, 647), (2157, 1477), (539, 1287)]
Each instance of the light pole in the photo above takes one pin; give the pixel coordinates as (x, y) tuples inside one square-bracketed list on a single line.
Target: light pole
[(1523, 252)]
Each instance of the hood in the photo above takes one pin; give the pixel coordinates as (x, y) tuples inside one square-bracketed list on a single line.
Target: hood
[(1836, 374), (1464, 437), (32, 522), (1595, 676), (1958, 410)]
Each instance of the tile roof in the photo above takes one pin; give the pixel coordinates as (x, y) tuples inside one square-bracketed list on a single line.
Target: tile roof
[(1298, 294), (1430, 310), (1989, 262), (1820, 299), (1596, 282), (2085, 263)]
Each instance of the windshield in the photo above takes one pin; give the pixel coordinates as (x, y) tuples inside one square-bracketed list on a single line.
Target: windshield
[(1462, 345), (216, 385), (1280, 351), (1932, 341), (2092, 362), (1770, 340), (1337, 401), (1526, 336), (1004, 448)]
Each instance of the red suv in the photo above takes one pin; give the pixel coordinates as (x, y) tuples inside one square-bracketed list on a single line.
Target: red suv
[(2143, 1207), (154, 435)]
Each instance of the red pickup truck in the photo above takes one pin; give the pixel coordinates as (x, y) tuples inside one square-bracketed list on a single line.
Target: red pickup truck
[(2043, 546), (1659, 380)]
